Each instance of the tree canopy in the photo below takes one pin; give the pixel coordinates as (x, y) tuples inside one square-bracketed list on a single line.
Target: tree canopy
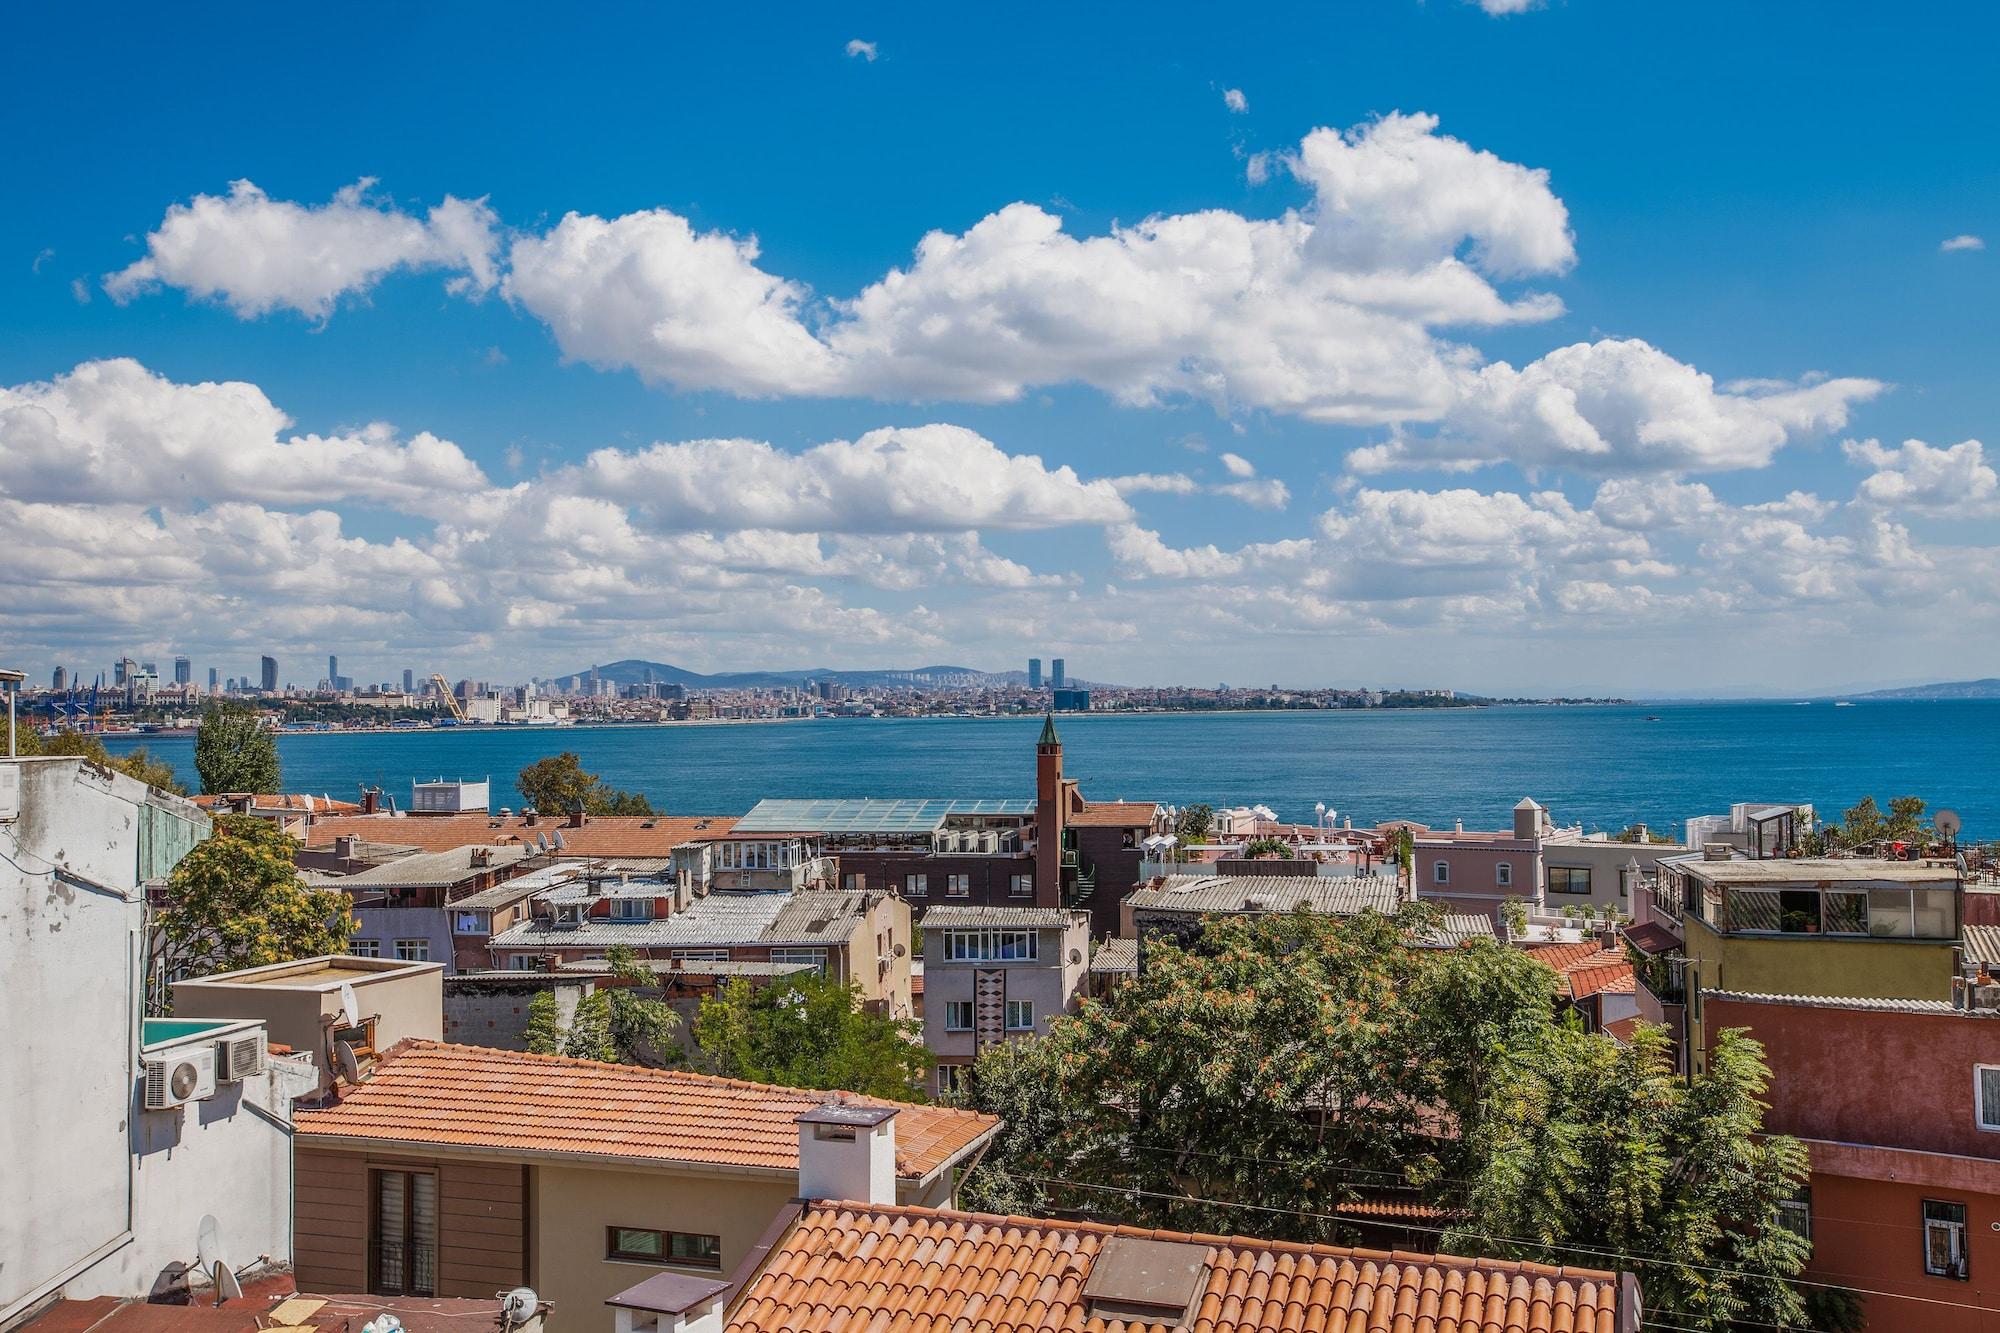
[(1276, 848), (617, 1024), (559, 783), (234, 751), (1194, 822), (236, 900), (810, 1031), (1291, 1065)]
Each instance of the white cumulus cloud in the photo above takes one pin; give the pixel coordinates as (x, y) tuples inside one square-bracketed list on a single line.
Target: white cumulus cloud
[(1964, 241), (1956, 480), (1619, 406), (865, 50), (260, 254), (1234, 99)]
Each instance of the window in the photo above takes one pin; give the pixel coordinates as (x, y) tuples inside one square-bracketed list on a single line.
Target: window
[(414, 951), (703, 955), (953, 1079), (957, 886), (1503, 874), (989, 946), (813, 958), (1022, 886), (958, 1016), (1944, 1240), (1986, 1093), (1569, 879), (917, 886), (365, 948), (521, 962), (402, 1256), (1441, 873), (1020, 1015), (643, 1246), (631, 909), (471, 923), (855, 881), (1795, 1215)]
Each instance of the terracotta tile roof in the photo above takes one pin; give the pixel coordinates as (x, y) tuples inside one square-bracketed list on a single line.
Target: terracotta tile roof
[(1562, 957), (1603, 979), (846, 1268), (470, 1096), (603, 835), (1116, 814), (1621, 1030)]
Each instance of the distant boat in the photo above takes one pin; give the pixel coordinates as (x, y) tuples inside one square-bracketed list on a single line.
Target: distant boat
[(1802, 703), (1842, 703), (1652, 717)]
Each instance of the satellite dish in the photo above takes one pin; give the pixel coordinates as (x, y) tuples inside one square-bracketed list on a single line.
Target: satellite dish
[(350, 1008), (208, 1242), (900, 950), (350, 1067), (1948, 823), (558, 839), (1076, 955), (518, 1306), (227, 1288)]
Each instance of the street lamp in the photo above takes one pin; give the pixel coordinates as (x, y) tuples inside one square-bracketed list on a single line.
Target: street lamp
[(11, 682)]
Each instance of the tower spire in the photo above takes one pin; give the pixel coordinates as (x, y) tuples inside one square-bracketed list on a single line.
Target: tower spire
[(1049, 738)]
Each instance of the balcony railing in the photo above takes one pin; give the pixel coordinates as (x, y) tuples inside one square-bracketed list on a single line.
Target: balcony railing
[(398, 1268)]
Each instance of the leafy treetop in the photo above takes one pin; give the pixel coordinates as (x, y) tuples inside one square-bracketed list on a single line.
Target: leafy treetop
[(810, 1031), (559, 783), (235, 752)]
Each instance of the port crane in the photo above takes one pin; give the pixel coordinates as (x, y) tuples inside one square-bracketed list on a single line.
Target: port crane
[(450, 699)]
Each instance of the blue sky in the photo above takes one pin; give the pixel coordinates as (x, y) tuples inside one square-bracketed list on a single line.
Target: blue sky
[(1570, 389)]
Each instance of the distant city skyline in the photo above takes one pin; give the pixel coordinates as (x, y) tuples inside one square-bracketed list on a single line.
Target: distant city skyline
[(1330, 346)]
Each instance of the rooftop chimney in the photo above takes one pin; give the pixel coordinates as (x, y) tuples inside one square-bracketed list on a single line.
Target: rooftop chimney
[(343, 847), (577, 817), (848, 1151)]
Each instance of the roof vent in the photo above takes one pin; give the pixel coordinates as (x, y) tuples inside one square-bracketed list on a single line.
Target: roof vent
[(1145, 1281)]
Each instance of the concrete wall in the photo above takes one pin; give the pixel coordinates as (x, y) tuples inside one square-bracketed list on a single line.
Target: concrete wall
[(1869, 1234), (1605, 861), (386, 925), (1052, 983), (573, 1206), (482, 1012)]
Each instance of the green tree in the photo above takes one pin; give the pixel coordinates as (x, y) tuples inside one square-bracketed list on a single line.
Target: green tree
[(559, 783), (1021, 1082), (617, 1024), (1599, 1155), (139, 763), (236, 900), (810, 1032), (1862, 824), (1286, 1062), (1273, 847), (1906, 819), (234, 751), (1194, 823)]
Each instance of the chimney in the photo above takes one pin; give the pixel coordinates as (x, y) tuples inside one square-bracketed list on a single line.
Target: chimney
[(481, 857), (371, 800), (577, 817), (1527, 820), (343, 847), (848, 1151)]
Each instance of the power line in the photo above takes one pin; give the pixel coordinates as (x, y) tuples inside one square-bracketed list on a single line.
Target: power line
[(1644, 1256)]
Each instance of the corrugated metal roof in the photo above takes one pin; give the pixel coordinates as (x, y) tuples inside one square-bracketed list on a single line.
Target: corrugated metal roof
[(968, 917), (868, 815), (721, 920), (422, 870), (1850, 1002), (1116, 956), (1342, 896), (1459, 928), (1982, 943)]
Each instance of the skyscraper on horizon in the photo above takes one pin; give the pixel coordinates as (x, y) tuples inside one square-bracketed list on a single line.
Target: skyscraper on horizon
[(59, 681), (183, 670), (214, 680), (409, 681), (1034, 673), (1056, 674), (332, 671), (269, 672)]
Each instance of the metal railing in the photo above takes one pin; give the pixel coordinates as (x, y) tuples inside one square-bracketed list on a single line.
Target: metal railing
[(397, 1268)]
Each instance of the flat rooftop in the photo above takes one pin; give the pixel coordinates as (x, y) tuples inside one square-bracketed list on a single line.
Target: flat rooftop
[(1821, 870), (328, 972)]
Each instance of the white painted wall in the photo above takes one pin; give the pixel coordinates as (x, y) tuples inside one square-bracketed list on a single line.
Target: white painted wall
[(101, 1195)]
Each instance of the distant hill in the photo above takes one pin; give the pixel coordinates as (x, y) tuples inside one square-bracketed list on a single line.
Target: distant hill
[(1989, 688), (632, 671)]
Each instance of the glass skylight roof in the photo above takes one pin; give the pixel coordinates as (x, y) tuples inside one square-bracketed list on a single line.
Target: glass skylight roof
[(868, 816)]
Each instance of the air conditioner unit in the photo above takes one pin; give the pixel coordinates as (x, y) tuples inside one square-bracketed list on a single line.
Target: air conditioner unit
[(180, 1076), (238, 1058)]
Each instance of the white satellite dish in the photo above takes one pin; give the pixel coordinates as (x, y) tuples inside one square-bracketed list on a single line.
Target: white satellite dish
[(208, 1241), (518, 1306), (227, 1288), (350, 1066), (558, 839), (350, 1008), (1948, 823)]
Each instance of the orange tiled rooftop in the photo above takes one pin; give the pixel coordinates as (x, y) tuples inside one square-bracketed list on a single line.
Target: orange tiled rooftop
[(602, 835), (846, 1268), (447, 1096)]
